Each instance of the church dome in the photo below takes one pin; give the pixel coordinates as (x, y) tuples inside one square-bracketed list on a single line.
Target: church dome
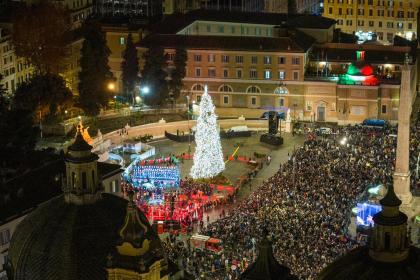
[(61, 240), (85, 234)]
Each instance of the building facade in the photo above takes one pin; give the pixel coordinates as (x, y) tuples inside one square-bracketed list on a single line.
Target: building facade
[(384, 18), (280, 68), (14, 70), (116, 40), (133, 8)]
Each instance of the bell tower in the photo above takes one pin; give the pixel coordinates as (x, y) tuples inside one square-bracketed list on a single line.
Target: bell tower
[(389, 240), (82, 185)]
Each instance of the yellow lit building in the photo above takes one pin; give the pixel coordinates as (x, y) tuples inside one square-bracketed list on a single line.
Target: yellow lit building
[(252, 65), (383, 17), (116, 39)]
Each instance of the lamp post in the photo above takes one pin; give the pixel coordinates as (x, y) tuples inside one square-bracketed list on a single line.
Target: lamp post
[(188, 121)]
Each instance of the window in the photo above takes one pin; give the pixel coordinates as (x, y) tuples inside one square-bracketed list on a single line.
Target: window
[(225, 99), (267, 59), (281, 90), (239, 73), (253, 74), (239, 59), (308, 106), (221, 29), (122, 41), (296, 60), (198, 72), (114, 186), (84, 185), (211, 58), (370, 23), (295, 75), (254, 59), (73, 180), (170, 56), (225, 73), (225, 88), (282, 60), (383, 109), (4, 237), (267, 74), (212, 72), (197, 57), (282, 75), (281, 102), (253, 89), (253, 100), (225, 58), (198, 98), (232, 29), (208, 28), (197, 87)]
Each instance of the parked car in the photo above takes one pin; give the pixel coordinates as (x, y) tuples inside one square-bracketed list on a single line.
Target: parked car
[(323, 131), (281, 115)]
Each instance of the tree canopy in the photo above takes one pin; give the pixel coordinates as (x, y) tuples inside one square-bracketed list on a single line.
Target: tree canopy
[(45, 93), (154, 76), (95, 73), (40, 34), (17, 133), (178, 74), (130, 68)]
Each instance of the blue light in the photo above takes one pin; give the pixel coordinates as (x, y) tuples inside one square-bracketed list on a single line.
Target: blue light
[(365, 213)]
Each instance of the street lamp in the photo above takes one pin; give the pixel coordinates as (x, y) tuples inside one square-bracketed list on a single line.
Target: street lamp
[(111, 86), (145, 90)]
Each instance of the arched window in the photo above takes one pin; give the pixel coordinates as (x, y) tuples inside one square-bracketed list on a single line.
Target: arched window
[(225, 88), (253, 89), (84, 185), (281, 90), (197, 87), (73, 180)]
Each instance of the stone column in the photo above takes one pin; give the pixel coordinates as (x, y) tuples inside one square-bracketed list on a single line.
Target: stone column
[(402, 171)]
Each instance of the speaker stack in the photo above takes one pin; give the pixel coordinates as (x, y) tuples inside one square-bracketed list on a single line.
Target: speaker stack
[(271, 137)]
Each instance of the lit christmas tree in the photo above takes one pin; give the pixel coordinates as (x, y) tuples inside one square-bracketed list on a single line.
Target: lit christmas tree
[(208, 156)]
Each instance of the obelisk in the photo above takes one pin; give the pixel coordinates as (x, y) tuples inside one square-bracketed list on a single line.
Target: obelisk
[(402, 170)]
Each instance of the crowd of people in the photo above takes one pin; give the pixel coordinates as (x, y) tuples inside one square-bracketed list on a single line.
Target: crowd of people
[(191, 187), (306, 206)]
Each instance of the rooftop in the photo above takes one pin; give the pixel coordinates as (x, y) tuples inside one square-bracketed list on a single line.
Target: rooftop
[(174, 23), (374, 54), (284, 44)]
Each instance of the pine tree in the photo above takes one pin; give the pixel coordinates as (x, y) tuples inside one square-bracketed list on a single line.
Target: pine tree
[(178, 74), (154, 76), (130, 68), (95, 73), (208, 156)]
